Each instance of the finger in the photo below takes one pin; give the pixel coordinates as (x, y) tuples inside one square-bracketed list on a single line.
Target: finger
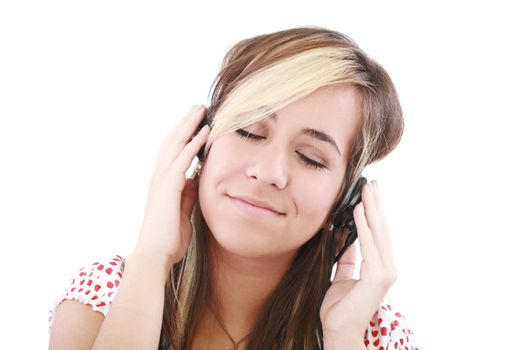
[(185, 158), (379, 207), (386, 244), (185, 133), (189, 194), (376, 223), (367, 244), (378, 199), (161, 159), (175, 142), (346, 264), (372, 214), (181, 122)]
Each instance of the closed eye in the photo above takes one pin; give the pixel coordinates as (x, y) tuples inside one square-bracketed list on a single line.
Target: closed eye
[(249, 135), (311, 163), (307, 161)]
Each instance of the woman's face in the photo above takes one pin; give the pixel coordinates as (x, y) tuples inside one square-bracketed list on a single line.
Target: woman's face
[(296, 172)]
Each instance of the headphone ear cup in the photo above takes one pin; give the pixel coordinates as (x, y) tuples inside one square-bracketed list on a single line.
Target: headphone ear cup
[(344, 219), (340, 217), (206, 121), (200, 154), (345, 208)]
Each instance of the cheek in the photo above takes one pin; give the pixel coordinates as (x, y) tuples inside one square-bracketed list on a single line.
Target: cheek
[(218, 162), (222, 154), (217, 173), (314, 205)]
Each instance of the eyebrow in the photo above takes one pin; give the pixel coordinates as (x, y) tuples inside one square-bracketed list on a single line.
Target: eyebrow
[(314, 133)]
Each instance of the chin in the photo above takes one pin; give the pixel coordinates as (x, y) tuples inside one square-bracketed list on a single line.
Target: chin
[(241, 243)]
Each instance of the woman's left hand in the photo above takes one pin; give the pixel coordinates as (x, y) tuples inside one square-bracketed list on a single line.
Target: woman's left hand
[(349, 304)]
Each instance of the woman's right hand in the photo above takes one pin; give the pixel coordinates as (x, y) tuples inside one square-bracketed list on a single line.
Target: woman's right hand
[(166, 231)]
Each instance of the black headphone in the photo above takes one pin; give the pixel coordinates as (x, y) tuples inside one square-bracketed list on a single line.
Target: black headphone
[(344, 210), (205, 121), (344, 217)]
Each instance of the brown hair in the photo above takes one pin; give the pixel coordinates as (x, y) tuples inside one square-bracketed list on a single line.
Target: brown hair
[(259, 76)]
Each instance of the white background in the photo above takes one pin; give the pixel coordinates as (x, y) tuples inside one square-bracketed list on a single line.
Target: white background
[(89, 89)]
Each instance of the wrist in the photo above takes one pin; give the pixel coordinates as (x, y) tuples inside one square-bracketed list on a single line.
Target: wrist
[(153, 262), (343, 343)]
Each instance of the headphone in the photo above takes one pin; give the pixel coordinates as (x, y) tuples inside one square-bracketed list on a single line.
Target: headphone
[(205, 121), (345, 213), (344, 217)]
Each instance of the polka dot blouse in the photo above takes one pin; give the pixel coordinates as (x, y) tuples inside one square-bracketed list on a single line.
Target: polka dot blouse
[(96, 284)]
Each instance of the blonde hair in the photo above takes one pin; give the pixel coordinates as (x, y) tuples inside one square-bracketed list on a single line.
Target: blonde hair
[(258, 77)]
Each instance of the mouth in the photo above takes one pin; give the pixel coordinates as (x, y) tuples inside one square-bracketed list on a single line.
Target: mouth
[(253, 209)]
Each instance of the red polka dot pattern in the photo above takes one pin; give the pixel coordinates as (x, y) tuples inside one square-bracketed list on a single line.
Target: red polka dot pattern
[(93, 285), (97, 284), (388, 329)]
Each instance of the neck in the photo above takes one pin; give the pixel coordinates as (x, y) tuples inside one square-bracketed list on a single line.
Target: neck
[(241, 286)]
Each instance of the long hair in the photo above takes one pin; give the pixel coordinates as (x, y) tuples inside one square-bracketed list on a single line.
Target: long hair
[(259, 76)]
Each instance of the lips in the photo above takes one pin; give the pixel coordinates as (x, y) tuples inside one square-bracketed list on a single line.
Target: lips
[(257, 203)]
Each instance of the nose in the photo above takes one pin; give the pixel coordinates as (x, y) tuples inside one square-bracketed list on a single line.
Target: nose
[(269, 166)]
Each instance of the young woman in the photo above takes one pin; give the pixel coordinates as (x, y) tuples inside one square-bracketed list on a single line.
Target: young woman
[(240, 257)]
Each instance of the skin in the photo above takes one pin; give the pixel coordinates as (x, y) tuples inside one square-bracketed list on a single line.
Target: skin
[(349, 303), (251, 254)]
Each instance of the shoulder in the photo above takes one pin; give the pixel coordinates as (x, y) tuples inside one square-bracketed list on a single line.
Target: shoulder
[(94, 284), (388, 329)]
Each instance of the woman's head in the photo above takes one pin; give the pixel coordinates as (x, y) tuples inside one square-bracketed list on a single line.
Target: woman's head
[(293, 162), (274, 85)]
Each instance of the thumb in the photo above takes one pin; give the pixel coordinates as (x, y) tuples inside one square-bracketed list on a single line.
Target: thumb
[(189, 194), (346, 265)]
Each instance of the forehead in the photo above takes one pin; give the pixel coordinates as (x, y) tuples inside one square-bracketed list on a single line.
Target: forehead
[(334, 110)]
